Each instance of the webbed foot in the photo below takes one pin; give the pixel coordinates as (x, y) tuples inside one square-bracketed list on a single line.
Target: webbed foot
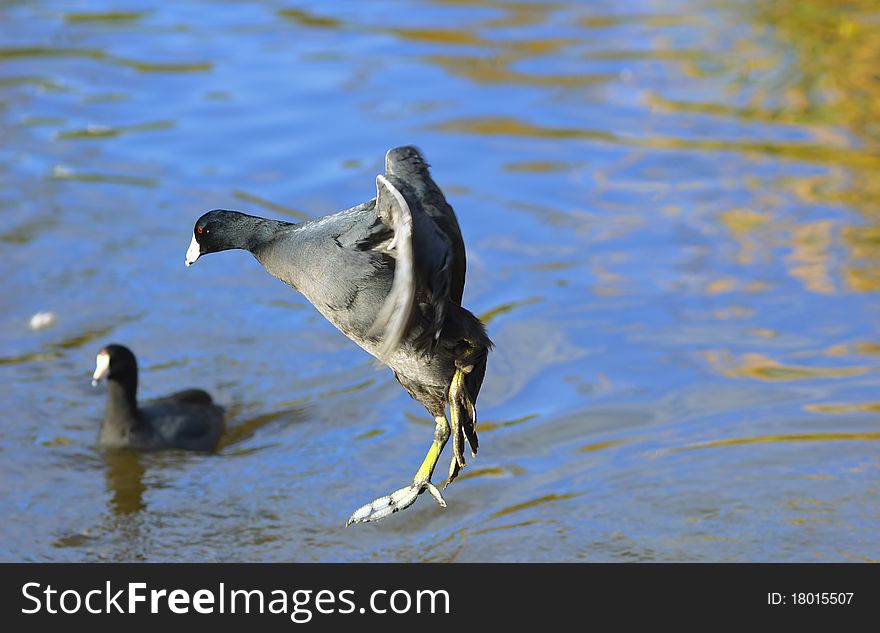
[(404, 497), (398, 500)]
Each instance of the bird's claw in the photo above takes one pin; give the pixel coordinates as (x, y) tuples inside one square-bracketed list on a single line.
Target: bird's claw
[(398, 500), (463, 420), (457, 462)]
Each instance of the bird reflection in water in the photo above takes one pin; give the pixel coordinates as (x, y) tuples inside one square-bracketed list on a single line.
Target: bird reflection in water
[(125, 482)]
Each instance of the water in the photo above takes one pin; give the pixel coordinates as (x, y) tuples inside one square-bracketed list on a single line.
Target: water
[(672, 216)]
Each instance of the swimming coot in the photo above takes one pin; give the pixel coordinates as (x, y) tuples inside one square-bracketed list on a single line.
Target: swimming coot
[(187, 420), (389, 273)]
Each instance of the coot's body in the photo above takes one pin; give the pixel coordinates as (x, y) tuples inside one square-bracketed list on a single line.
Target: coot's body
[(187, 420), (388, 273)]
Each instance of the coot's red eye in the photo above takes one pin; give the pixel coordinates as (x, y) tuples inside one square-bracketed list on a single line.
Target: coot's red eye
[(199, 229)]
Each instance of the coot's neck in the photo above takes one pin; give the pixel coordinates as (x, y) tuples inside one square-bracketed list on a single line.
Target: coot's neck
[(253, 233), (122, 411)]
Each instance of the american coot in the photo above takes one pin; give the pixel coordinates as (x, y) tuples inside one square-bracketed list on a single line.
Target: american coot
[(388, 273), (187, 419)]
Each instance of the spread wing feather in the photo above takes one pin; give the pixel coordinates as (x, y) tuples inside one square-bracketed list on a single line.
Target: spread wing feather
[(394, 212), (423, 262)]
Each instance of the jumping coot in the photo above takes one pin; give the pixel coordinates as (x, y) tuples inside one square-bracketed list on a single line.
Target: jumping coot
[(187, 420), (389, 274)]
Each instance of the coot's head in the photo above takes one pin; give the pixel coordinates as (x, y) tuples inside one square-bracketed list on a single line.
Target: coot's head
[(405, 161), (217, 230), (115, 362)]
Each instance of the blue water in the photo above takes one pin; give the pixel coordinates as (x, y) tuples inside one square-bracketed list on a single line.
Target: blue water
[(673, 230)]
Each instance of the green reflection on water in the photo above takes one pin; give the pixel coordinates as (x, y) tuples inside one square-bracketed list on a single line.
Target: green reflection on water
[(551, 498), (60, 172), (101, 131), (105, 16), (267, 204)]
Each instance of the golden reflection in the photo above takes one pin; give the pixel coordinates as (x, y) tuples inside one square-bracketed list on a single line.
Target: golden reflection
[(811, 260), (241, 431), (347, 389), (863, 559), (811, 67), (516, 13), (508, 526), (809, 63), (497, 69), (371, 434), (105, 16), (272, 206), (609, 284), (48, 84), (863, 242), (763, 367), (601, 446), (792, 437), (837, 45), (57, 441), (99, 55), (656, 20), (40, 121), (60, 172), (101, 131), (538, 167), (809, 152), (76, 341), (863, 348), (305, 18), (30, 358), (721, 286), (872, 349), (841, 407), (863, 278), (743, 224), (497, 471), (762, 332), (734, 312), (533, 502), (833, 88), (819, 74), (488, 316), (490, 425), (438, 36)]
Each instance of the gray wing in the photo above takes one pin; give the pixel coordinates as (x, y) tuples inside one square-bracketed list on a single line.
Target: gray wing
[(422, 254), (408, 164)]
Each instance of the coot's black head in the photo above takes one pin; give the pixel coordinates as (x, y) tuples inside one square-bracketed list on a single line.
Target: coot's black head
[(218, 230), (116, 363)]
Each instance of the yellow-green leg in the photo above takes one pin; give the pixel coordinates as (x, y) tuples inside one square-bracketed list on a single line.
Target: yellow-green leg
[(441, 436), (462, 420), (406, 496)]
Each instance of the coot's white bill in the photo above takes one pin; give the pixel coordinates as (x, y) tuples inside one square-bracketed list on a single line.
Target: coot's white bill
[(102, 367), (193, 252)]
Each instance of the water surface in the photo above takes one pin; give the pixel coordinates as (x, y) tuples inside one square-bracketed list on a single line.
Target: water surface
[(672, 215)]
